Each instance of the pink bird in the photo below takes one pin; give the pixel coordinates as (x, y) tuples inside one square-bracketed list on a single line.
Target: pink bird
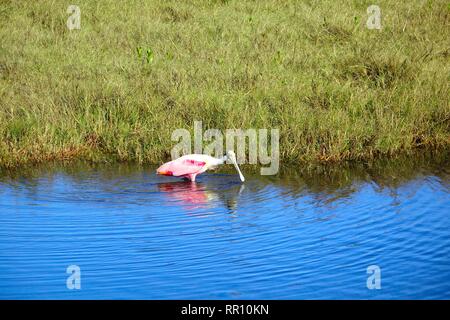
[(191, 165)]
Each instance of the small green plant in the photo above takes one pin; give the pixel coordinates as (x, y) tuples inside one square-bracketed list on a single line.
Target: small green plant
[(356, 21), (278, 59), (139, 52), (149, 56)]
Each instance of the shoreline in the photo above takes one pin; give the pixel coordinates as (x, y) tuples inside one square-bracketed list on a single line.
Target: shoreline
[(442, 154)]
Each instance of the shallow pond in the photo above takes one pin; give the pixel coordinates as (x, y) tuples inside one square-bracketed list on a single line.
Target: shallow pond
[(303, 234)]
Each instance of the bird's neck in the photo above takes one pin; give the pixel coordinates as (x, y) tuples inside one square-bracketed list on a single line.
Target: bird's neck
[(222, 160)]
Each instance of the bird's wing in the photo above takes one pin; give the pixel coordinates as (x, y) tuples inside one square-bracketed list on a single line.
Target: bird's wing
[(181, 167)]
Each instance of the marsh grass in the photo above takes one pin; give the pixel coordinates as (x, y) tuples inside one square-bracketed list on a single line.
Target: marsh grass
[(117, 88)]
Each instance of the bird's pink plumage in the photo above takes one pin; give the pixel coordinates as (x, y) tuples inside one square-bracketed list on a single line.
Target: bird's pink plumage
[(181, 167)]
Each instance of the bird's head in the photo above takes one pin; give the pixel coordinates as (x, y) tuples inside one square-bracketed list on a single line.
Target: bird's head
[(231, 157)]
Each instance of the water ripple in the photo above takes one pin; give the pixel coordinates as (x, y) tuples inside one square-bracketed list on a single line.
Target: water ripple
[(136, 235)]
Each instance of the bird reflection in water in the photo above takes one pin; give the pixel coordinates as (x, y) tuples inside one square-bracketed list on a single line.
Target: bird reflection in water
[(197, 197)]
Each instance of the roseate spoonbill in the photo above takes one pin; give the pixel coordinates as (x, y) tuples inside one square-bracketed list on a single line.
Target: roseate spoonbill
[(191, 165)]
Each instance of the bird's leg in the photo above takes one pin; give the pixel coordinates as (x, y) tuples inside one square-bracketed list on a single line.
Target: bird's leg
[(192, 177)]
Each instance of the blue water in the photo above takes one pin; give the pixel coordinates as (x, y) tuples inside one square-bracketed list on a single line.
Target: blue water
[(299, 235)]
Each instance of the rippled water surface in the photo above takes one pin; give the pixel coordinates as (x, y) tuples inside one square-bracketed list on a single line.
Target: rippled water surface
[(303, 234)]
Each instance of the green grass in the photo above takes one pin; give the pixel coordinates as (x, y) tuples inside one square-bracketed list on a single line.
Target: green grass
[(137, 70)]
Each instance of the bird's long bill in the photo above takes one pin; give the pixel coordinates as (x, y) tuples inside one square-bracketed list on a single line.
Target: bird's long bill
[(238, 170)]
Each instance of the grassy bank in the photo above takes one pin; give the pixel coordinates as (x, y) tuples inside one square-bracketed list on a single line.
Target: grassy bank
[(137, 70)]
